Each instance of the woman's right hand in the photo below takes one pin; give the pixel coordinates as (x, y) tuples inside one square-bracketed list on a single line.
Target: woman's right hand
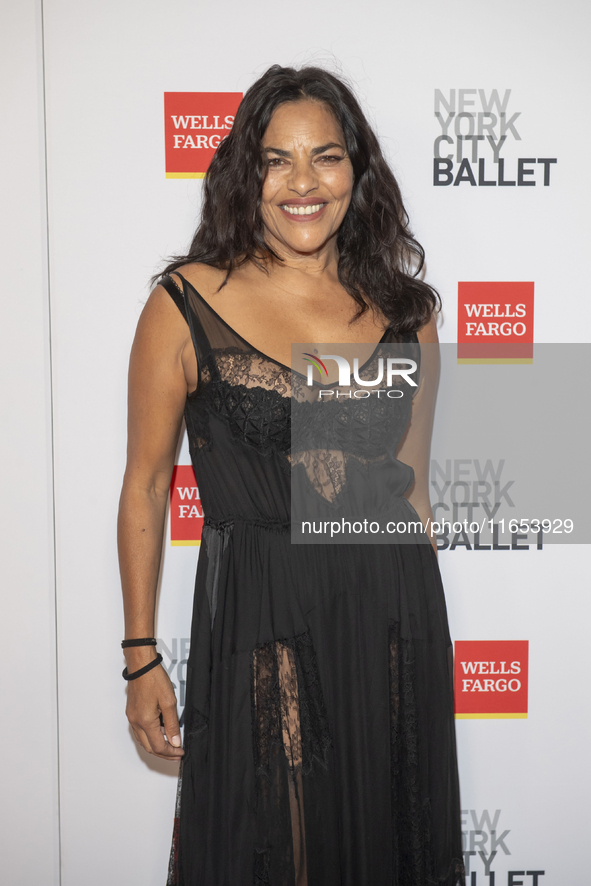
[(148, 697)]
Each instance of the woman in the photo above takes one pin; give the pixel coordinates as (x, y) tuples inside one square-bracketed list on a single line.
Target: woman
[(319, 734)]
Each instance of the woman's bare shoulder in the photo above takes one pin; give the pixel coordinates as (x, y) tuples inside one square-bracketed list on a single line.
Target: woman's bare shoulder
[(204, 278), (161, 324), (428, 333)]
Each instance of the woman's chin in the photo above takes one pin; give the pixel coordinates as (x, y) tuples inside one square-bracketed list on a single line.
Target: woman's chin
[(302, 247)]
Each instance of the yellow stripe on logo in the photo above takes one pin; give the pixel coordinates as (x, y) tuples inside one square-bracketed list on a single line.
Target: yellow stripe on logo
[(491, 716), (185, 175)]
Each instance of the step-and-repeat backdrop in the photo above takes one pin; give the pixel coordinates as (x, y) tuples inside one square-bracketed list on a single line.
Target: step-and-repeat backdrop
[(112, 113)]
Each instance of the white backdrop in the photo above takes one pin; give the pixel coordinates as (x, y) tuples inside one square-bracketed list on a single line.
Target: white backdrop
[(83, 84)]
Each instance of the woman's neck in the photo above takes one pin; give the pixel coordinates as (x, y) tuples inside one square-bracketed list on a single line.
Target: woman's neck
[(314, 264), (297, 269)]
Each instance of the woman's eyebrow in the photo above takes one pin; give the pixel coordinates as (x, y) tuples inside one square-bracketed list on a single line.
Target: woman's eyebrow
[(314, 151), (277, 151), (327, 147)]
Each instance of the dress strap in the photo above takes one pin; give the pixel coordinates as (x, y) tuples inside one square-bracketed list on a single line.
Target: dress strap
[(176, 294), (182, 300)]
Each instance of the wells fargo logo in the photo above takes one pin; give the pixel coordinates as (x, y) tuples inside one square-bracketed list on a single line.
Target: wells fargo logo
[(186, 513), (194, 125), (495, 322), (491, 679)]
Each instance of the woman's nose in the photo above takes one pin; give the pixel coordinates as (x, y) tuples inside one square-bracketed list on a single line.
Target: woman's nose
[(303, 177)]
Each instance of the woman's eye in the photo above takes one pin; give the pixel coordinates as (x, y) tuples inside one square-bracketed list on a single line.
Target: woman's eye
[(275, 161), (329, 158)]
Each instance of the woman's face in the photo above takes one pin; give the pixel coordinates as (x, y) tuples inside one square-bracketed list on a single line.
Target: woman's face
[(309, 181)]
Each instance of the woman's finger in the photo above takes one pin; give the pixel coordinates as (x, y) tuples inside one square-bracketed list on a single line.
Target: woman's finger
[(172, 729), (158, 745)]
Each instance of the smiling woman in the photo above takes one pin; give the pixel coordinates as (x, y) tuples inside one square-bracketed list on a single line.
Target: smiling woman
[(319, 734)]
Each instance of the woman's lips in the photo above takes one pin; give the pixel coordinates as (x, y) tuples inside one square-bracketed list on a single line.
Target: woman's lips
[(302, 212)]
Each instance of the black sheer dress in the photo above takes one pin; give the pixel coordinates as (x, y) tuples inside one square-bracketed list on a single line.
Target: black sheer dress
[(319, 731)]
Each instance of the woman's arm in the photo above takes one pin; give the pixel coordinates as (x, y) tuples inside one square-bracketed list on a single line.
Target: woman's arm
[(157, 394), (415, 447)]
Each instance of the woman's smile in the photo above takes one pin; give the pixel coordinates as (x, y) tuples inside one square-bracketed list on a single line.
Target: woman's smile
[(303, 210)]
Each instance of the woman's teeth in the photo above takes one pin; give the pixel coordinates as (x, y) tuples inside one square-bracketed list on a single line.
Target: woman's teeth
[(302, 210)]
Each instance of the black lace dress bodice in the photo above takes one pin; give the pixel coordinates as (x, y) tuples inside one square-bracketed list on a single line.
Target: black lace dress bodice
[(319, 731)]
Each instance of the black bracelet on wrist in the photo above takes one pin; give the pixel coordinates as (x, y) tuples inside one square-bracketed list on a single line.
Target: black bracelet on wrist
[(143, 670), (143, 641)]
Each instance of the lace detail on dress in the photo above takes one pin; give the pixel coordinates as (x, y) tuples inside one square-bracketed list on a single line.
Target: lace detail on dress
[(288, 705), (290, 737), (195, 725), (173, 864), (196, 417), (248, 392), (366, 427), (261, 867), (256, 417), (410, 812), (355, 429), (236, 366), (326, 469), (457, 873)]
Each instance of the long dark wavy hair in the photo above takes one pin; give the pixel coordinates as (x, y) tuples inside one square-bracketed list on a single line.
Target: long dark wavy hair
[(378, 258)]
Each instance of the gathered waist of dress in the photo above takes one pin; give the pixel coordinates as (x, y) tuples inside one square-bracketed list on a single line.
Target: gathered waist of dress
[(230, 520)]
